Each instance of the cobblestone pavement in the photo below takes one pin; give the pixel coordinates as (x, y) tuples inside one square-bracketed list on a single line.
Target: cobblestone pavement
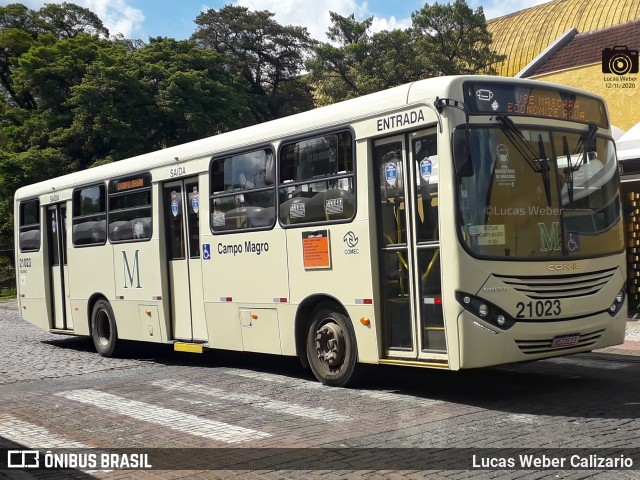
[(56, 392)]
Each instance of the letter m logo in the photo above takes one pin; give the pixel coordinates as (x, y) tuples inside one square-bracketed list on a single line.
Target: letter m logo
[(549, 241), (131, 272)]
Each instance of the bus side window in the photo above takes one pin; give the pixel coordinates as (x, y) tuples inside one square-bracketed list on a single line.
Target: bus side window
[(242, 191), (89, 216), (30, 226), (130, 209), (317, 180)]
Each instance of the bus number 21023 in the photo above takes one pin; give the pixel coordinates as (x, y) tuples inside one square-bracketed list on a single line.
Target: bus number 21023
[(546, 308)]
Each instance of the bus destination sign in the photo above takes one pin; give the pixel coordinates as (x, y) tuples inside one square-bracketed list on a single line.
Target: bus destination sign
[(536, 101), (130, 183)]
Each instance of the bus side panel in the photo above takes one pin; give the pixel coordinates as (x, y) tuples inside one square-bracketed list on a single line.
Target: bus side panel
[(90, 272), (32, 284), (137, 278), (347, 279), (244, 269)]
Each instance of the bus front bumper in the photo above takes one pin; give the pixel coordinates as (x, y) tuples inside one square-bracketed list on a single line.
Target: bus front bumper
[(483, 344)]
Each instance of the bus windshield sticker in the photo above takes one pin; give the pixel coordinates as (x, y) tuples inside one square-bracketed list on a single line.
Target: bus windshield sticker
[(488, 234), (195, 200), (219, 220), (334, 206), (297, 210), (316, 251), (391, 174), (425, 169), (138, 230)]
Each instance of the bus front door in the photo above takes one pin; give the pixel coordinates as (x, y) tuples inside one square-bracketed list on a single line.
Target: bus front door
[(406, 181), (181, 203), (56, 219)]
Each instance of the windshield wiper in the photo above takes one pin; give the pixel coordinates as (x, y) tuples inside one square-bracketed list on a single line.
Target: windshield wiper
[(568, 171), (545, 170), (517, 139), (585, 141), (525, 149)]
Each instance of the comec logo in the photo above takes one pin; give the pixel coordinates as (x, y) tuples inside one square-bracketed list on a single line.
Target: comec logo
[(554, 267)]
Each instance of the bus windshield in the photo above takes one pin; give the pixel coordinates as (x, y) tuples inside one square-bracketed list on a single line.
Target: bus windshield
[(540, 193)]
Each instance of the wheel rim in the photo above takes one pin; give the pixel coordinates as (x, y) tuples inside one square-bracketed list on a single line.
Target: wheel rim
[(330, 345), (103, 328)]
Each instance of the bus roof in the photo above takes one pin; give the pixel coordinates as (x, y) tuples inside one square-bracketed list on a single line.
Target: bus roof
[(261, 134)]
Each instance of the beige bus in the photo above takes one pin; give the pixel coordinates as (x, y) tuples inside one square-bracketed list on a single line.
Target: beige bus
[(454, 222)]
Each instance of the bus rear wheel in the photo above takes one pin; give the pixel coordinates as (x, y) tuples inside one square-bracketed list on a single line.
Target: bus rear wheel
[(331, 347), (103, 329)]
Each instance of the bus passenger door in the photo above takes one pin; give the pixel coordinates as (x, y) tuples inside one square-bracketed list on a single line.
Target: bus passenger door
[(181, 204), (406, 182), (56, 219)]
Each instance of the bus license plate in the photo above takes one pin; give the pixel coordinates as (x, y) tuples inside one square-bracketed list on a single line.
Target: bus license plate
[(565, 340)]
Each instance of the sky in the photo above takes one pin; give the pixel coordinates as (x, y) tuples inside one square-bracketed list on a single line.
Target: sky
[(141, 19)]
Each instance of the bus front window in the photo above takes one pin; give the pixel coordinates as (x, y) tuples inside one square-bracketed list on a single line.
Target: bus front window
[(537, 193)]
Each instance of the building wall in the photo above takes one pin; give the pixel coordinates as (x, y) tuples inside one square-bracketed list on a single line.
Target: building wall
[(522, 35), (623, 103)]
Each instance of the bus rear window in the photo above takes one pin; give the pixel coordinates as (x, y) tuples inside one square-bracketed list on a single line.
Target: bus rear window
[(30, 226)]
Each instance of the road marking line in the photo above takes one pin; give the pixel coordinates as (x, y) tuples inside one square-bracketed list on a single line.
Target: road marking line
[(297, 383), (35, 437), (256, 401), (173, 419), (273, 378)]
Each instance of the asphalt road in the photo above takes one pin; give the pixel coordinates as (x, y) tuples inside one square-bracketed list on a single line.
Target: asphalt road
[(276, 421)]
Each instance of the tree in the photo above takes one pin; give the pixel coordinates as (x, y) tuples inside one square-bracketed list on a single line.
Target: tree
[(268, 57), (443, 40), (166, 93), (454, 39)]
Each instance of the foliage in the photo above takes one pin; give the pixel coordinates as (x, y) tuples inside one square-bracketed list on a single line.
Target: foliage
[(445, 39), (267, 56), (73, 97)]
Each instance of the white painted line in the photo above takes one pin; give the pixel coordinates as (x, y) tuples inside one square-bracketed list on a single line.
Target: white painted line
[(273, 378), (35, 437), (256, 401), (173, 419)]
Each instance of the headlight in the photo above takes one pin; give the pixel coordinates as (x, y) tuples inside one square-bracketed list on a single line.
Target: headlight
[(617, 303), (485, 310)]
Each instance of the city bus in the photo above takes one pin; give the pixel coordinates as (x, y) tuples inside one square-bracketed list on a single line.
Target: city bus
[(451, 223)]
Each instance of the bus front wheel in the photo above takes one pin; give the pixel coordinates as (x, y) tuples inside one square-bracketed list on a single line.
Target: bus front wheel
[(331, 347), (103, 329)]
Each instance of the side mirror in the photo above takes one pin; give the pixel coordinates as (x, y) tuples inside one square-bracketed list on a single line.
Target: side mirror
[(462, 152)]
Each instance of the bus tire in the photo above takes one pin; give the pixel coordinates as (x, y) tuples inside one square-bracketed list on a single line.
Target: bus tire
[(331, 347), (103, 329)]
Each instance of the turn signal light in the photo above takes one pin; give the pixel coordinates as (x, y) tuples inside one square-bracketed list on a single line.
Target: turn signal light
[(365, 321)]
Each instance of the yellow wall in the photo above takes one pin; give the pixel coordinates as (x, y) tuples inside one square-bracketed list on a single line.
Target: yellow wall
[(524, 34), (622, 102)]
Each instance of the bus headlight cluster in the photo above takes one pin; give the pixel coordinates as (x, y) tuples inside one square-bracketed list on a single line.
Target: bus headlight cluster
[(617, 303), (485, 310)]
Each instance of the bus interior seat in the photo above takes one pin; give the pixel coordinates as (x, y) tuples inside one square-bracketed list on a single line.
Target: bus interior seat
[(86, 233), (30, 240), (260, 216), (120, 230)]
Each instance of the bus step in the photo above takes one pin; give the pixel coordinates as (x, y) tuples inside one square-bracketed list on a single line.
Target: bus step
[(61, 331), (189, 347), (433, 363)]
